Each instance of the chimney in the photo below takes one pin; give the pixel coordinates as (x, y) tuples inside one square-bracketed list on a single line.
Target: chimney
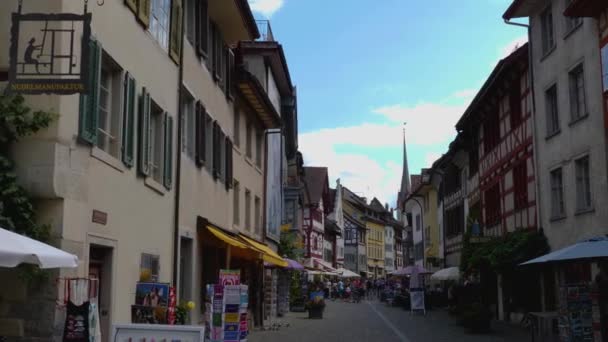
[(386, 206)]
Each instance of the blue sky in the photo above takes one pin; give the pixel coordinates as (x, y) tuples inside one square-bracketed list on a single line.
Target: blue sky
[(364, 67)]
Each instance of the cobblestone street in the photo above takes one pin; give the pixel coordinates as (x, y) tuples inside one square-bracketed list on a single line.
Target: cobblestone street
[(374, 321)]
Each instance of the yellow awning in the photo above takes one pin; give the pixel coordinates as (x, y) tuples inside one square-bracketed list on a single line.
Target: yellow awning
[(226, 238), (268, 254)]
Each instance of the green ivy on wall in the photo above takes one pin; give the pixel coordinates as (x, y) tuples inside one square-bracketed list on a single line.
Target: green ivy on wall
[(17, 212)]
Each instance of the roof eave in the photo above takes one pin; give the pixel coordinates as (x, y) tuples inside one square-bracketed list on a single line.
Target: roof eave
[(248, 18), (253, 92)]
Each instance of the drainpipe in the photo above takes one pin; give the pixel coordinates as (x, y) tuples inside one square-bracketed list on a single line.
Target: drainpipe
[(178, 167)]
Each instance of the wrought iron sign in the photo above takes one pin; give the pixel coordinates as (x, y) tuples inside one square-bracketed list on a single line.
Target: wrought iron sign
[(47, 55)]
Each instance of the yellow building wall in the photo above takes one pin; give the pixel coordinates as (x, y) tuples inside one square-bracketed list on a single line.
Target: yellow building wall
[(430, 220), (375, 246)]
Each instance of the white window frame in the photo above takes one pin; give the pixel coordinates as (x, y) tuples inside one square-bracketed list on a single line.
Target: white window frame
[(584, 200), (157, 142), (576, 81), (547, 30), (558, 206), (109, 137), (189, 125)]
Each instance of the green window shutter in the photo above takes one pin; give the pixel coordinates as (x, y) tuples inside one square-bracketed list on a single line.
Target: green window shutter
[(89, 103), (143, 12), (202, 28), (175, 41), (132, 4), (216, 150), (144, 133), (229, 175), (168, 160), (230, 75), (200, 134), (128, 130)]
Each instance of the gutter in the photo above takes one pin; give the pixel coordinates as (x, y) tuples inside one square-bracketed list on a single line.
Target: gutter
[(178, 167)]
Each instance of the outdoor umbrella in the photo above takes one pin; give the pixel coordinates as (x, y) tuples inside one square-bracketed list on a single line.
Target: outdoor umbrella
[(450, 273), (17, 249), (344, 273), (587, 249), (409, 270)]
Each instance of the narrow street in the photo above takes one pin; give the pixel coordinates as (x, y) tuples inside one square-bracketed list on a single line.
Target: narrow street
[(375, 321)]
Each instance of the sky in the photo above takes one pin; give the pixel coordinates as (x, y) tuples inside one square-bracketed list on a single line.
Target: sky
[(363, 68)]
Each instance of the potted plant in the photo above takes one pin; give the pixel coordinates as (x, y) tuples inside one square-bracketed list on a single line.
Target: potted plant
[(181, 311), (315, 307)]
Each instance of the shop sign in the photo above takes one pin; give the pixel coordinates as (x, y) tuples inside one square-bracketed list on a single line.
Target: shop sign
[(49, 53), (230, 277)]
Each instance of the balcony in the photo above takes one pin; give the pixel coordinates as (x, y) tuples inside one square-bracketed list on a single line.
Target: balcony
[(265, 31)]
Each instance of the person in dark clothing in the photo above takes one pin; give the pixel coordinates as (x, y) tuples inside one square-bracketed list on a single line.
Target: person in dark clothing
[(29, 51)]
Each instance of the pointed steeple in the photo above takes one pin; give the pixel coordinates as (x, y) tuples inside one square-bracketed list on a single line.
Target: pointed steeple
[(405, 188)]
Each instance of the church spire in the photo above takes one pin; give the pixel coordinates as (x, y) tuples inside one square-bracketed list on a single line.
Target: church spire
[(405, 188)]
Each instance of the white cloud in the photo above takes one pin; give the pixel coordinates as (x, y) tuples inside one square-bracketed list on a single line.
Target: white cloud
[(266, 7), (513, 45), (428, 124), (430, 158), (466, 93)]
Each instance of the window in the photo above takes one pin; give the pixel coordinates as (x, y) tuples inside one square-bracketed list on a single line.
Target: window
[(492, 203), (249, 142), (572, 22), (258, 215), (578, 107), (159, 21), (557, 193), (427, 236), (157, 142), (474, 152), (221, 149), (259, 138), (546, 22), (236, 193), (248, 210), (426, 202), (149, 268), (110, 111), (417, 222), (189, 126), (520, 184), (237, 127), (605, 66), (583, 184), (491, 131), (190, 17), (455, 220), (552, 110)]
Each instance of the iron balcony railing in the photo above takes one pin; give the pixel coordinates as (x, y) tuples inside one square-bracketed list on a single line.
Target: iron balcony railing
[(265, 31)]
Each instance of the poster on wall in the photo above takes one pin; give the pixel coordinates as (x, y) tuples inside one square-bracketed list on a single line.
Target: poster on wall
[(148, 315), (152, 294)]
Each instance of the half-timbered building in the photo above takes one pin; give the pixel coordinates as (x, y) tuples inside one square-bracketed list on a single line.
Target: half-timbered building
[(355, 248), (499, 123), (316, 208)]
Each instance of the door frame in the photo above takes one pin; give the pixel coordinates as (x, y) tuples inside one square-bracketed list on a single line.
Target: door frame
[(101, 241)]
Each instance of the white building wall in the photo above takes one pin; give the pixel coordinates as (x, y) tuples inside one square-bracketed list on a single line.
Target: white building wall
[(586, 136)]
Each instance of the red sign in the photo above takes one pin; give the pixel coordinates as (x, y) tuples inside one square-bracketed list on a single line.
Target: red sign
[(172, 304), (230, 277)]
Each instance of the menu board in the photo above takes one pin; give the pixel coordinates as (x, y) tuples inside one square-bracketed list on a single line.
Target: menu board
[(157, 333), (576, 313)]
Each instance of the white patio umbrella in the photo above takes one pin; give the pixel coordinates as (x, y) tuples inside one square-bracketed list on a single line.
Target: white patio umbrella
[(344, 273), (450, 273), (17, 249)]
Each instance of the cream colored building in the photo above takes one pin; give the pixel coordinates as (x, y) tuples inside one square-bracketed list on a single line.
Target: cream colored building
[(114, 206)]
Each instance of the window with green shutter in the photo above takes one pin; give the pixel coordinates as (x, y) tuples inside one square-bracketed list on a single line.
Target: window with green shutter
[(176, 37), (230, 75), (202, 28), (89, 103), (216, 150), (143, 12), (200, 134), (168, 160), (229, 173), (132, 4), (144, 150), (128, 129)]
